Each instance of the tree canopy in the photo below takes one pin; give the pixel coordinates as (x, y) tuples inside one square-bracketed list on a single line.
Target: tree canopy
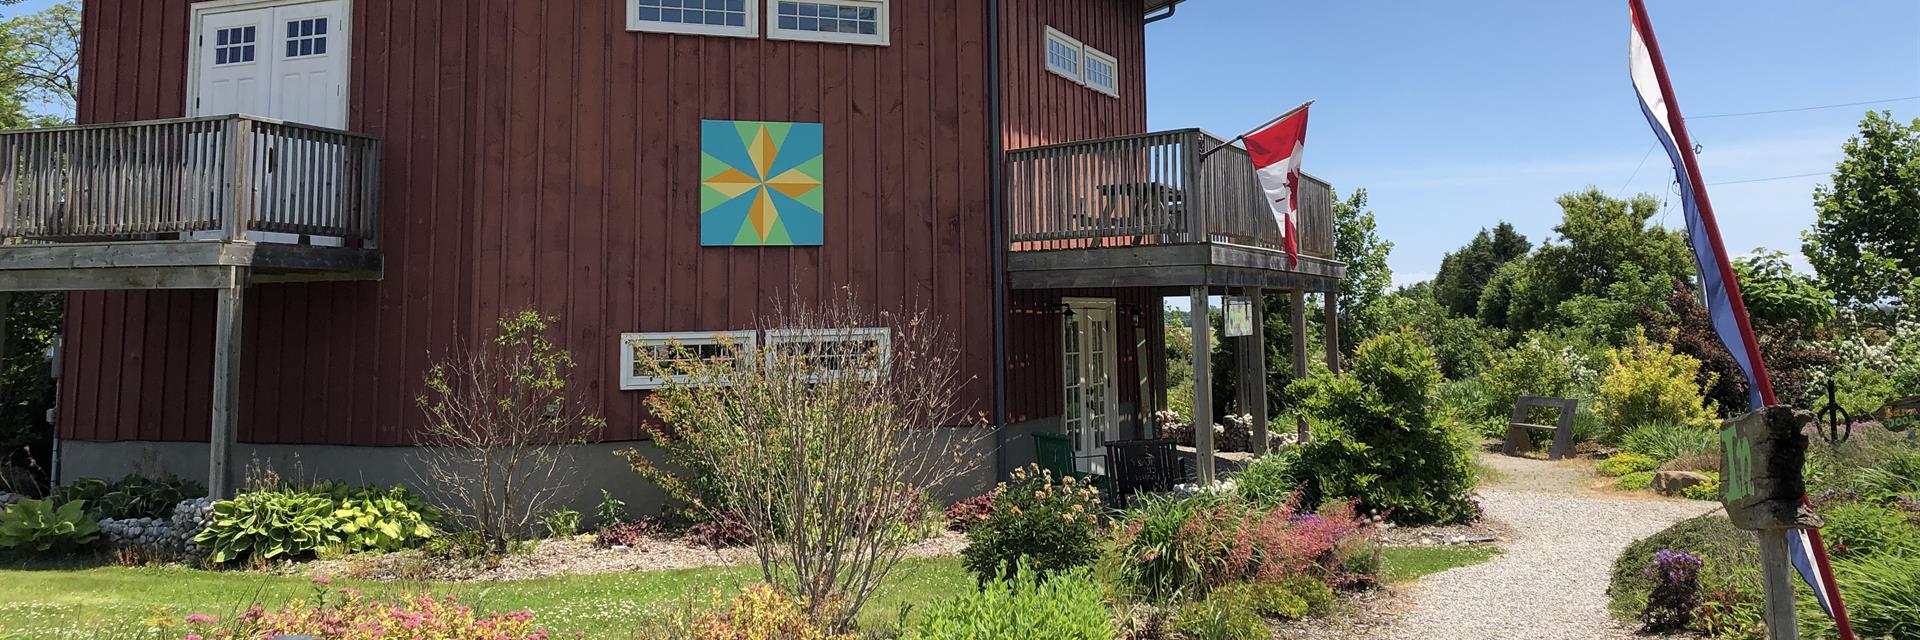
[(1604, 247), (1465, 273), (1865, 243), (1356, 242)]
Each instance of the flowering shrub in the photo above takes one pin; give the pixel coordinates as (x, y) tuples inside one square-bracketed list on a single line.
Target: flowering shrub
[(349, 615), (759, 612), (1676, 591), (1171, 548), (1052, 522), (962, 515)]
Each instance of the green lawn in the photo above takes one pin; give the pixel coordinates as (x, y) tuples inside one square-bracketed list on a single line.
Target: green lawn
[(1403, 564), (75, 604)]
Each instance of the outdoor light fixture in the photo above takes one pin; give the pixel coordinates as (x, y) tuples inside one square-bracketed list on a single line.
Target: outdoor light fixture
[(1066, 310)]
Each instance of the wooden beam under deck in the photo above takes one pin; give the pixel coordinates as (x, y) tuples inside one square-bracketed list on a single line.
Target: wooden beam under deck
[(176, 264), (1211, 265)]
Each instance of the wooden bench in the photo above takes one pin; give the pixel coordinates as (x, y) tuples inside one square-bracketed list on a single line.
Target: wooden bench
[(1520, 432)]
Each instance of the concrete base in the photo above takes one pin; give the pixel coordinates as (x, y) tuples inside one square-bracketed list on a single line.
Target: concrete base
[(590, 468)]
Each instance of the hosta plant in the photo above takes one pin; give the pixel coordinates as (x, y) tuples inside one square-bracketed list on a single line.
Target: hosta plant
[(380, 522), (269, 525), (40, 526)]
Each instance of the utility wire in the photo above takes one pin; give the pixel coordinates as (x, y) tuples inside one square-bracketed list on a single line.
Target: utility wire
[(1636, 170), (1797, 109), (1797, 175)]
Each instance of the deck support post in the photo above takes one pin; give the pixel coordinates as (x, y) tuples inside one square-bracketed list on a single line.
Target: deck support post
[(226, 383), (6, 300), (1297, 312), (1254, 378), (1200, 320), (1333, 331)]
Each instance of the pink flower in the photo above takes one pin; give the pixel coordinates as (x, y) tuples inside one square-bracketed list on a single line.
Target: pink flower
[(201, 618), (322, 580), (193, 636)]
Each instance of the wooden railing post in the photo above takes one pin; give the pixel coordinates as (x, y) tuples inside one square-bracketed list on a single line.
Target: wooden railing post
[(239, 178), (1200, 203)]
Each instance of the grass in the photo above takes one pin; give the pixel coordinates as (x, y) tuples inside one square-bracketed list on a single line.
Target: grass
[(76, 603), (1404, 564)]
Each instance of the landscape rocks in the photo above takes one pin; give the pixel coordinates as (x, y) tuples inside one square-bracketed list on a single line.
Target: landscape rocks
[(9, 498), (1670, 483), (190, 517), (136, 532)]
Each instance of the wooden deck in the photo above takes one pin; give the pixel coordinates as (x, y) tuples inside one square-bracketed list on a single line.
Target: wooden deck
[(1156, 210)]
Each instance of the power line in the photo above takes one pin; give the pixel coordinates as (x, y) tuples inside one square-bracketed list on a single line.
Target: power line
[(1636, 170), (1796, 109), (1797, 175)]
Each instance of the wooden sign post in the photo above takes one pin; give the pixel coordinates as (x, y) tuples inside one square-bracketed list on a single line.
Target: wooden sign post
[(1761, 485), (1900, 415)]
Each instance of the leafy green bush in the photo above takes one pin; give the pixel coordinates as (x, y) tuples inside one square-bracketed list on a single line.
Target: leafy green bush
[(611, 511), (1380, 443), (1862, 528), (1883, 598), (1272, 479), (1729, 575), (42, 527), (1226, 615), (1535, 367), (1028, 606), (1626, 463), (1636, 481), (268, 525), (1173, 548), (1664, 440), (1288, 599), (129, 497), (1052, 522), (376, 520), (1647, 382), (561, 523), (1709, 490)]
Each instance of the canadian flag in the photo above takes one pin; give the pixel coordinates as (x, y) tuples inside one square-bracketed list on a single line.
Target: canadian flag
[(1276, 152)]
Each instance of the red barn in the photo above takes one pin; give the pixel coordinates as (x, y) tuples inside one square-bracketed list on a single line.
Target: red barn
[(275, 214)]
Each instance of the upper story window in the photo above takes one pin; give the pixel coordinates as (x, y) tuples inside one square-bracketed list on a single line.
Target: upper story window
[(680, 354), (307, 37), (1085, 65), (707, 17), (234, 45), (845, 21)]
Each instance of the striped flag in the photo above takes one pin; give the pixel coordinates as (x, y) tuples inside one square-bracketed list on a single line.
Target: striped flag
[(1725, 310)]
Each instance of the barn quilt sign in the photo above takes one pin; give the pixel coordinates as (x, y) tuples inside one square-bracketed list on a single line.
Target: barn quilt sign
[(762, 184)]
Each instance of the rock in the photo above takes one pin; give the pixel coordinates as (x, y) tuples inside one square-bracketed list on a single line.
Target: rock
[(1670, 483)]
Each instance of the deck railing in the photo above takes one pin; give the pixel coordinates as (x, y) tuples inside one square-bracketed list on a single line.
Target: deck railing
[(191, 178), (1152, 189)]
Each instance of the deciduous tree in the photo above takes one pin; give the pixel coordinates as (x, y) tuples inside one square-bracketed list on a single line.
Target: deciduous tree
[(1866, 242)]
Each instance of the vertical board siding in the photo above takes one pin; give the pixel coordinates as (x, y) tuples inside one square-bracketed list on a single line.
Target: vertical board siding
[(1039, 108), (537, 153)]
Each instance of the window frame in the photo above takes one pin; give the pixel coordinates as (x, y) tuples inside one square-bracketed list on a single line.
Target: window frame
[(749, 30), (1089, 53), (747, 341), (883, 29), (883, 335), (1079, 55)]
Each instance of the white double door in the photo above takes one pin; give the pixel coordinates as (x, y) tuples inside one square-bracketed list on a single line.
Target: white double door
[(1089, 370), (281, 60)]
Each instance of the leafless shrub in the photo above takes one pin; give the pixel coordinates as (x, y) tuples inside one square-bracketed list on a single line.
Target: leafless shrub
[(825, 441), (497, 416)]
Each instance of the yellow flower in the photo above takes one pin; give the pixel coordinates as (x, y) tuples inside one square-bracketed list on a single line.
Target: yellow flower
[(1067, 517)]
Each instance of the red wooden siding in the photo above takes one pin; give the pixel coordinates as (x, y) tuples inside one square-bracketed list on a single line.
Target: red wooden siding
[(1041, 107), (1034, 385), (538, 153)]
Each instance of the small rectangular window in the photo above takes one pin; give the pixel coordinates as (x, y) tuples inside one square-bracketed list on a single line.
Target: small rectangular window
[(1064, 54), (730, 348), (843, 21), (1102, 72), (234, 45), (307, 37), (862, 352), (698, 17)]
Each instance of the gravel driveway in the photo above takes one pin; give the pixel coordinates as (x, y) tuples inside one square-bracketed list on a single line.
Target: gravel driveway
[(1551, 584)]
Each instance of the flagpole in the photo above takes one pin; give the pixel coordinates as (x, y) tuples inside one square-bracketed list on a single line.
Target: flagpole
[(1243, 136), (1762, 383)]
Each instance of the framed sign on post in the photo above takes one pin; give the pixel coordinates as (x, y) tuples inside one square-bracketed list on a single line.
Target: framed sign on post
[(1239, 317), (1900, 415)]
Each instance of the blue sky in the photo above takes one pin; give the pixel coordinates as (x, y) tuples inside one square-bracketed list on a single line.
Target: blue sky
[(1457, 115)]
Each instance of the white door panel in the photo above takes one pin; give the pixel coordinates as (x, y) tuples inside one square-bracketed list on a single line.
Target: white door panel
[(1089, 370)]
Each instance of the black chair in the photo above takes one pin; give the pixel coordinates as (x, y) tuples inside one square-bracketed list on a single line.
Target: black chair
[(1142, 466)]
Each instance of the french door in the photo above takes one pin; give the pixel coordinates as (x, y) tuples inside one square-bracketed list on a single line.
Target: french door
[(1088, 371)]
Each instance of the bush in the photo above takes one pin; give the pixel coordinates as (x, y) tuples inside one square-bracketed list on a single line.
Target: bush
[(1028, 606), (1379, 442), (561, 523), (1626, 463), (963, 515), (610, 512), (723, 530), (1663, 441), (267, 525), (1227, 615), (1172, 548), (1286, 599), (370, 519), (626, 534), (40, 526), (1534, 367), (1883, 598), (1863, 528), (1636, 481), (1053, 523), (1646, 383), (130, 497), (348, 615), (758, 612), (1708, 491), (1729, 574), (1271, 480)]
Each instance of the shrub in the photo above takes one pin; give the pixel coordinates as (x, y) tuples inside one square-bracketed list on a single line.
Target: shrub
[(1532, 368), (1285, 599), (1028, 606), (1626, 463), (349, 615), (1227, 615), (1646, 383), (1665, 441), (561, 523), (610, 512), (370, 519), (1636, 481), (131, 497), (1863, 528), (1729, 575), (1883, 598), (1173, 548), (723, 530), (1381, 444), (1272, 479), (1676, 591), (269, 525), (758, 612), (1709, 490), (40, 526), (627, 534), (1053, 524), (963, 515)]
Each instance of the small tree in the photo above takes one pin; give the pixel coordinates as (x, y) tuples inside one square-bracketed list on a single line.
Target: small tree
[(825, 443), (496, 418)]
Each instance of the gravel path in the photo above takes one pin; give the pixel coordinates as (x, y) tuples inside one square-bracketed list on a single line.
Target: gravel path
[(1551, 583)]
